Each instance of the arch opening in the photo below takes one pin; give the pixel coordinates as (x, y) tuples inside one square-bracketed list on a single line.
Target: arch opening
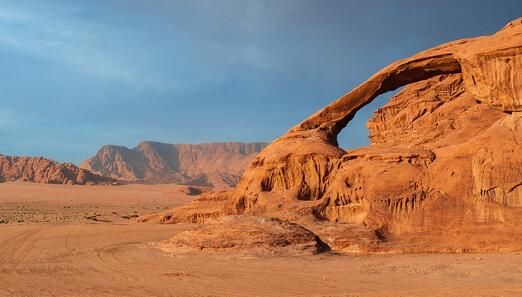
[(356, 133)]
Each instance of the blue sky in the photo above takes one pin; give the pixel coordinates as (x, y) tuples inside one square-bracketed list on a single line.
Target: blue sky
[(75, 75)]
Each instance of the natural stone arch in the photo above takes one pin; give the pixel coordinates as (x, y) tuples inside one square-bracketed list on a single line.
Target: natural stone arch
[(301, 159), (401, 191), (334, 117), (298, 164)]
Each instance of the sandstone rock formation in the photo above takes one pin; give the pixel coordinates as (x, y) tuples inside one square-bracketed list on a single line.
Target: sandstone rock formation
[(266, 236), (442, 173), (216, 165), (41, 170)]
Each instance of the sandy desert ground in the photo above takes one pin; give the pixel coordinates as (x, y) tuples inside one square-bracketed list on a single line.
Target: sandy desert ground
[(77, 241), (22, 202)]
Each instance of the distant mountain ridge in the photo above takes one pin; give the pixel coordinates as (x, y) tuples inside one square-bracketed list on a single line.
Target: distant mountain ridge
[(42, 170), (218, 164)]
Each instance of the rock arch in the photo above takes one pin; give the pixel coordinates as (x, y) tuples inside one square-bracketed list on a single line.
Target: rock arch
[(299, 162), (334, 117), (301, 159), (389, 188), (387, 195)]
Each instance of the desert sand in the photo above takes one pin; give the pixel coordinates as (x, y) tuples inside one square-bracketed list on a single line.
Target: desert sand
[(23, 202), (69, 255)]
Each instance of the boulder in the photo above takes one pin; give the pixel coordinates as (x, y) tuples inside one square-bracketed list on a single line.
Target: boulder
[(245, 236)]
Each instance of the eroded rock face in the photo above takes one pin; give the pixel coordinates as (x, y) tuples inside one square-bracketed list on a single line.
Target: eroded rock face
[(41, 170), (496, 168), (442, 172), (217, 165), (412, 116)]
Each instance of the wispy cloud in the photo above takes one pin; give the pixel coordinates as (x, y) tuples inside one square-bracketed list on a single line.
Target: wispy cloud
[(73, 41)]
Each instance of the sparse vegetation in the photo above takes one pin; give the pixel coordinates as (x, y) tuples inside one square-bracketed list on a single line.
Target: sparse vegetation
[(92, 218)]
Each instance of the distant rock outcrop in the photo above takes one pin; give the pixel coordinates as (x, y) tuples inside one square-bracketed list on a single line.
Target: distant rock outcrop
[(41, 170), (189, 190), (217, 165), (443, 172)]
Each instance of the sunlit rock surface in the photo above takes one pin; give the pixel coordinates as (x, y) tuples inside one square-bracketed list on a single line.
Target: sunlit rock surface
[(41, 170), (443, 172)]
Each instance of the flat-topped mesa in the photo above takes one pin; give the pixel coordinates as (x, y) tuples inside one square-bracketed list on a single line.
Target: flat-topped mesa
[(441, 173)]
